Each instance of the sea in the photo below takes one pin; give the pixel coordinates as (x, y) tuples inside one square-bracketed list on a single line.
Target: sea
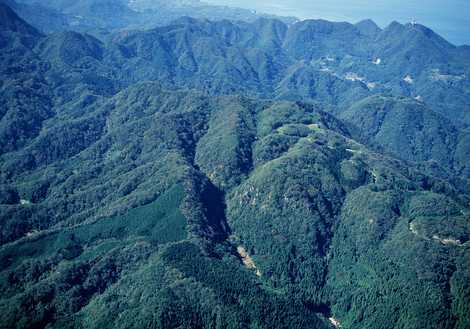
[(449, 18)]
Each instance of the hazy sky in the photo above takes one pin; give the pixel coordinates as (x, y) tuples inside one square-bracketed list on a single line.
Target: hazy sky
[(450, 18)]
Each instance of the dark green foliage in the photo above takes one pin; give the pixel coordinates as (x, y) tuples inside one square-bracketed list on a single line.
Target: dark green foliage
[(181, 288), (24, 107), (292, 205), (407, 129), (126, 205), (319, 213), (462, 152), (461, 290), (8, 196), (398, 260), (224, 153), (62, 270)]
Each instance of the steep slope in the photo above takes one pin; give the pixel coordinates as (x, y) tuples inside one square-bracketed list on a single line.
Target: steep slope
[(461, 153), (128, 203), (336, 63), (17, 36), (368, 27), (406, 128), (10, 22), (312, 39), (69, 47), (43, 18), (319, 60), (24, 95), (390, 60), (145, 140), (101, 210), (421, 45), (329, 221)]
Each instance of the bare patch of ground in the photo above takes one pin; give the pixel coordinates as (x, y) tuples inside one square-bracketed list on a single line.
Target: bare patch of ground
[(247, 260), (335, 322)]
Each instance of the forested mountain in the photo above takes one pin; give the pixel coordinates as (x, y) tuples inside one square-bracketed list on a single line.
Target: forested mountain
[(101, 16), (232, 174)]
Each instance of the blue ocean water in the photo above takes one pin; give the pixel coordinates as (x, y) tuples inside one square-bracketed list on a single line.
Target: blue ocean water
[(449, 18)]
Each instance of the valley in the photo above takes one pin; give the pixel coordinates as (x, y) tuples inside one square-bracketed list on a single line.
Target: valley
[(248, 173)]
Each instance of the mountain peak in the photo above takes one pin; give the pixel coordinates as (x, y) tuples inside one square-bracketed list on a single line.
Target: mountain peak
[(416, 34), (368, 27), (70, 46), (394, 26), (429, 34)]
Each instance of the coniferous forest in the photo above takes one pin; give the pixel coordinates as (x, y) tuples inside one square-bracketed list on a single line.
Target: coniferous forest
[(179, 165)]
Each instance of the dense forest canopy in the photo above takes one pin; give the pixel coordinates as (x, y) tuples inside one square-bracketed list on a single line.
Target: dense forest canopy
[(235, 171)]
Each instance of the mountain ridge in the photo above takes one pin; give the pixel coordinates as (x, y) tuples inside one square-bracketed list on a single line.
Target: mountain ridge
[(230, 174)]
